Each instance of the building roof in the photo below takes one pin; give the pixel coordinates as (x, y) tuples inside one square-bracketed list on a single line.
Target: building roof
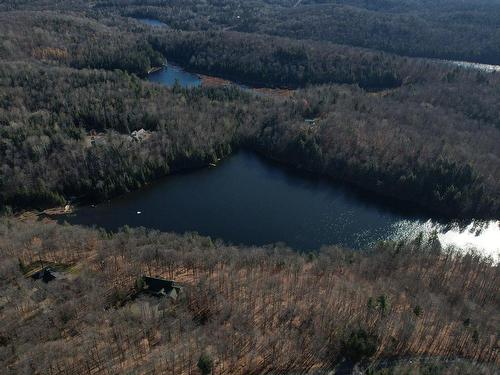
[(160, 287), (45, 274)]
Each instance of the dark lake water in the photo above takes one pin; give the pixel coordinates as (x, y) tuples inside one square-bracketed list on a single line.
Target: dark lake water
[(248, 200), (171, 73)]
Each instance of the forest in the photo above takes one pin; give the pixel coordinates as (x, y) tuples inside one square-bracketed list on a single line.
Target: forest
[(364, 105), (60, 88), (444, 29), (48, 114), (76, 42), (271, 61), (398, 308)]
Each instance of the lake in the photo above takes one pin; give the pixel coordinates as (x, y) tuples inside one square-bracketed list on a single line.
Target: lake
[(248, 200), (170, 74), (151, 22), (471, 65), (477, 66)]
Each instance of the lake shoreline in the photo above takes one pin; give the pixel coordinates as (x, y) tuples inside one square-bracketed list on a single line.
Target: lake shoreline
[(398, 196), (410, 204), (250, 199), (254, 85), (391, 201)]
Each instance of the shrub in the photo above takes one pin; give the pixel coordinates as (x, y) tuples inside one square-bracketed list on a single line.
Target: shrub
[(359, 345), (205, 364), (417, 310)]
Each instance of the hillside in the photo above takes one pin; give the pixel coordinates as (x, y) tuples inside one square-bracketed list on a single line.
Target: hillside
[(64, 77), (251, 310)]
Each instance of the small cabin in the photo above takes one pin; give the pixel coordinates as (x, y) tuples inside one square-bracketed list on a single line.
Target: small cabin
[(160, 287), (45, 274), (44, 271)]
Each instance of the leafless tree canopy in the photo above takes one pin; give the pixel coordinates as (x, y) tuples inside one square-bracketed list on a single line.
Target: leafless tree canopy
[(252, 310)]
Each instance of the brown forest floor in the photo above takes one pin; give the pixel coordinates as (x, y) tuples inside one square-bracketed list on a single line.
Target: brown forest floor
[(254, 310)]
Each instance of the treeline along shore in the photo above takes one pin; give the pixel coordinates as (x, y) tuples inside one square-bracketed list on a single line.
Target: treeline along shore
[(70, 98)]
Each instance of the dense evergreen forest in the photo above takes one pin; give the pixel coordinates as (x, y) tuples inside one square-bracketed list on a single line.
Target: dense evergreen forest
[(241, 310)]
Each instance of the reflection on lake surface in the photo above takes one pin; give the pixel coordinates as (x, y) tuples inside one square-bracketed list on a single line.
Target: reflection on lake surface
[(248, 200), (480, 235), (171, 73), (151, 22), (476, 66), (168, 75)]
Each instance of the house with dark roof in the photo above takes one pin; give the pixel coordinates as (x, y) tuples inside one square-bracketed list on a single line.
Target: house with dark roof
[(45, 274), (160, 287)]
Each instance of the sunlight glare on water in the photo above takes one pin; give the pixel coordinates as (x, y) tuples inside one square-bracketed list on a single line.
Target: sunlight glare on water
[(248, 200), (483, 236)]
